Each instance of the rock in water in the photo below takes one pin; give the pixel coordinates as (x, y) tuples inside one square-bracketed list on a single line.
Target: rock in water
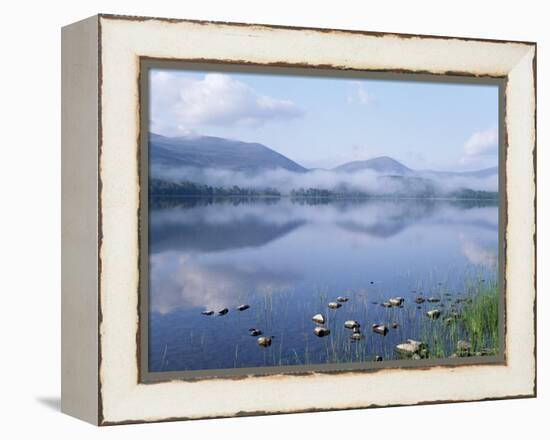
[(463, 348), (356, 336), (318, 319), (264, 341), (396, 302), (223, 312), (378, 358), (487, 352), (207, 313), (386, 304), (351, 324), (254, 332), (433, 314), (410, 347), (419, 300), (342, 299), (243, 307), (380, 329), (334, 305), (321, 331), (432, 299), (394, 325)]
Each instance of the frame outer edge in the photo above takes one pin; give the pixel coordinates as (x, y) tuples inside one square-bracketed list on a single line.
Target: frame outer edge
[(519, 395)]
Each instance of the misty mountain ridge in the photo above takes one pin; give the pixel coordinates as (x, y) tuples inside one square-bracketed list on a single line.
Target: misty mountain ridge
[(215, 152), (214, 165), (382, 164), (388, 166), (222, 153)]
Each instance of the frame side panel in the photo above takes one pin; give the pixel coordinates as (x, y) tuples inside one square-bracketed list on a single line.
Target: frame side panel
[(79, 183)]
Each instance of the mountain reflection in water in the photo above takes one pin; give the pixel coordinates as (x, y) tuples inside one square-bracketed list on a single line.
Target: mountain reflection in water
[(287, 258)]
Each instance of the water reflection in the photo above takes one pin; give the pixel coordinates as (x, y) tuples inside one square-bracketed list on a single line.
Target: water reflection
[(286, 257), (184, 281)]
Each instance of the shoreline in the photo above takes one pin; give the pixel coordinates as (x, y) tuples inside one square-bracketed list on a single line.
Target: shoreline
[(290, 197)]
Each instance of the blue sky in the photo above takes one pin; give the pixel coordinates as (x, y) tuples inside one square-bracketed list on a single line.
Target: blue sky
[(325, 122)]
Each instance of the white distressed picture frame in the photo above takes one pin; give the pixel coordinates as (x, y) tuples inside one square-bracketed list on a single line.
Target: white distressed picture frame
[(101, 206)]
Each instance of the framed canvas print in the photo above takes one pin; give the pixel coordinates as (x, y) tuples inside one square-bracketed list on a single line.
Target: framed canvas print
[(262, 219)]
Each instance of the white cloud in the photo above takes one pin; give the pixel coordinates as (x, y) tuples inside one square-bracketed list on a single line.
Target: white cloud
[(482, 142), (360, 95), (180, 280), (481, 148), (179, 105), (477, 254)]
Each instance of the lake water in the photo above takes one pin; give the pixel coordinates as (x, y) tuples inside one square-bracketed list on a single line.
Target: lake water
[(288, 258)]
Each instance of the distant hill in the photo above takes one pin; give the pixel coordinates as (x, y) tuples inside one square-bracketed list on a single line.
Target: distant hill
[(387, 166), (214, 152), (383, 165)]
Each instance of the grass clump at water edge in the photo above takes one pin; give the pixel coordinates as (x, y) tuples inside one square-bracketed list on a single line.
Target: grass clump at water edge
[(480, 319)]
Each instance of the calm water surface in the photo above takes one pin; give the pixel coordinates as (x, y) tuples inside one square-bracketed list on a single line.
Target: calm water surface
[(288, 258)]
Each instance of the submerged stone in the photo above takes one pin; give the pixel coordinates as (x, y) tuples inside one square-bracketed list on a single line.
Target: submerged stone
[(254, 332), (487, 352), (351, 324), (380, 329), (463, 348), (410, 347), (264, 341), (321, 331), (318, 319)]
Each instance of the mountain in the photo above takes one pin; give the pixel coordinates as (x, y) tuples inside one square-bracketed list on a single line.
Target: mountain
[(383, 165), (214, 152), (234, 155), (387, 166), (178, 167)]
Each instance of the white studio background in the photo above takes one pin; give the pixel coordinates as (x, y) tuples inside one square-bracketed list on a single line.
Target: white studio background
[(30, 216)]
